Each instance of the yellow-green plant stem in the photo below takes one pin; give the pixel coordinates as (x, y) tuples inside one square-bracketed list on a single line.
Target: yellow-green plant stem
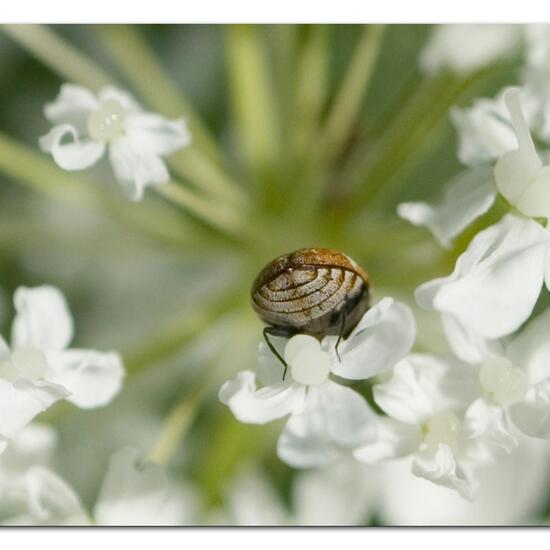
[(140, 65), (405, 137), (216, 215), (252, 98), (176, 425), (40, 173), (206, 176), (311, 90), (184, 411), (347, 103), (58, 55)]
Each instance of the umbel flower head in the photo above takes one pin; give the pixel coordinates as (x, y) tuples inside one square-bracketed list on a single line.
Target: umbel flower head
[(324, 416), (112, 121), (39, 368)]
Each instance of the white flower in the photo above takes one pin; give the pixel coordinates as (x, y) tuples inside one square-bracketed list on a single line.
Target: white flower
[(496, 281), (511, 492), (133, 492), (112, 120), (464, 49), (343, 493), (513, 379), (39, 369), (324, 415), (425, 402), (490, 130)]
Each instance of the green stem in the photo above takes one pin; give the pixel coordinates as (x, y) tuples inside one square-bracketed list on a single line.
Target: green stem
[(216, 215), (30, 168), (199, 170), (58, 55), (405, 138), (311, 90), (176, 425), (347, 103), (252, 98)]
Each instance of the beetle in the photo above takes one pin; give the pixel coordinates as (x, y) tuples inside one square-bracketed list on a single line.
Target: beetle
[(314, 291)]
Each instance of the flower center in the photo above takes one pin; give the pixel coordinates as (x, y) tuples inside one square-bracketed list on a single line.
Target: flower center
[(308, 363), (107, 122), (29, 362), (442, 428), (502, 381)]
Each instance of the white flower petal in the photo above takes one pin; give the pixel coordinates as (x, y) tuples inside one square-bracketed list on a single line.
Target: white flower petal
[(530, 349), (21, 400), (72, 106), (496, 281), (343, 493), (93, 378), (516, 170), (488, 421), (484, 130), (509, 492), (253, 501), (468, 196), (374, 347), (33, 445), (42, 319), (466, 344), (51, 501), (156, 134), (259, 406), (75, 155), (126, 100), (532, 415), (134, 168), (441, 468), (424, 384), (135, 492), (395, 439), (332, 417)]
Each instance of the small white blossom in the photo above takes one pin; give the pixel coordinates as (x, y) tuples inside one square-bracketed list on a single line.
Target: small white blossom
[(513, 379), (112, 121), (39, 369), (425, 401), (325, 416), (464, 49)]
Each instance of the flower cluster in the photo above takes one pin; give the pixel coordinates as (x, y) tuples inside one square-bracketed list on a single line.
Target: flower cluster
[(133, 491), (38, 368)]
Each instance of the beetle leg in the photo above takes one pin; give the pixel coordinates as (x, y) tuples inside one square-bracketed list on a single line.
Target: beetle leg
[(340, 334), (269, 330)]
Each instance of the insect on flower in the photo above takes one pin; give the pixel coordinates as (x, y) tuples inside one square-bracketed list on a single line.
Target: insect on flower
[(314, 291)]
